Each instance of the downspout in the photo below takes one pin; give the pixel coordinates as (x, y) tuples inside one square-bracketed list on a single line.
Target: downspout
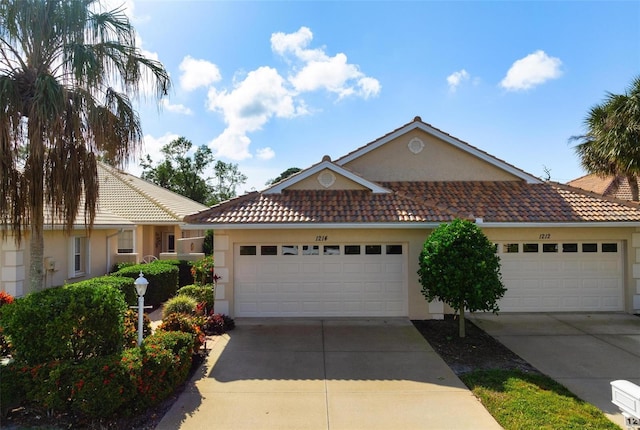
[(109, 236)]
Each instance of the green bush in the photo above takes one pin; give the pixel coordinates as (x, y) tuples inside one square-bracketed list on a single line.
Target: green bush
[(179, 304), (125, 383), (130, 334), (124, 285), (201, 293), (74, 322), (162, 277), (207, 245), (187, 324), (203, 271)]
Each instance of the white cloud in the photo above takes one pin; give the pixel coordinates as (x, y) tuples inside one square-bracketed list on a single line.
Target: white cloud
[(532, 70), (456, 78), (261, 96), (265, 153), (177, 108), (315, 70), (197, 73)]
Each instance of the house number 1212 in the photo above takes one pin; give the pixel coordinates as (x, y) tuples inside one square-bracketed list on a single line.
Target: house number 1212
[(321, 238)]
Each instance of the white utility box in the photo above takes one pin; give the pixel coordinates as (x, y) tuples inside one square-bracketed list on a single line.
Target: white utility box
[(626, 396)]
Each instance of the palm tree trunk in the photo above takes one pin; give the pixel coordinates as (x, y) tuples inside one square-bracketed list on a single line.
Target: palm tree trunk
[(633, 184), (36, 263), (461, 327)]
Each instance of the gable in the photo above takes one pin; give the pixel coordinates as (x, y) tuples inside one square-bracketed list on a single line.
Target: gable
[(326, 179), (419, 156), (419, 152)]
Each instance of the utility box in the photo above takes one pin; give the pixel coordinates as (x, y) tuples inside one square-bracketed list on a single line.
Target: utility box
[(626, 396)]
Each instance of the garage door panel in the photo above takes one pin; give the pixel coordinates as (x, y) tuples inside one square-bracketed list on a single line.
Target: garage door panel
[(320, 285), (563, 281)]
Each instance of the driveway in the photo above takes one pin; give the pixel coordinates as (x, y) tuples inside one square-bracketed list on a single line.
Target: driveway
[(584, 352), (325, 374)]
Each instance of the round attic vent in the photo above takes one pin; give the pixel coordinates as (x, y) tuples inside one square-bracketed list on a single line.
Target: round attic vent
[(416, 145), (326, 178)]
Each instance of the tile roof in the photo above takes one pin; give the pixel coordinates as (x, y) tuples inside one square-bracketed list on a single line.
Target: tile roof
[(420, 202), (609, 186), (140, 201)]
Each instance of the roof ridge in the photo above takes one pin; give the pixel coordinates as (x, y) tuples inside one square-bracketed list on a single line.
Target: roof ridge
[(121, 175)]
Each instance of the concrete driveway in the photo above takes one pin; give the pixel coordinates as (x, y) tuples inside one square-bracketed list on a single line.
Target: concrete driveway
[(584, 352), (325, 374)]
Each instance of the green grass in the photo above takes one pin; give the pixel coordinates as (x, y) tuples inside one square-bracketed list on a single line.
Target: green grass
[(522, 401)]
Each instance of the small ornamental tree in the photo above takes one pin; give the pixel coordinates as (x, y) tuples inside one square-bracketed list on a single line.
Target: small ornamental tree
[(459, 266)]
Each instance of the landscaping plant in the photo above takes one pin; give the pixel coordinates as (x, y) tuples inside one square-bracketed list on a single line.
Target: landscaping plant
[(459, 266), (179, 304)]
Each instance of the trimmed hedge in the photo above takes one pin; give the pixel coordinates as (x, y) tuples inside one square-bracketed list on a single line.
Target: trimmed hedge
[(125, 383), (162, 277), (123, 284), (75, 322)]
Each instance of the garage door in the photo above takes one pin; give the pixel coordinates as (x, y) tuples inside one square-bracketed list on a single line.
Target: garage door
[(556, 277), (294, 279)]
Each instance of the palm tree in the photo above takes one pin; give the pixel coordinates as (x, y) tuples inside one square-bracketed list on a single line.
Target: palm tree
[(611, 145), (67, 71)]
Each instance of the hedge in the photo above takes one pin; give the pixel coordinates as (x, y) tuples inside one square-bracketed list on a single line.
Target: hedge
[(123, 284), (125, 383), (75, 322), (162, 277)]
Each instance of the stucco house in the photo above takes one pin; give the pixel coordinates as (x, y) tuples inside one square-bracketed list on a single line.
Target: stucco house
[(136, 220), (342, 238)]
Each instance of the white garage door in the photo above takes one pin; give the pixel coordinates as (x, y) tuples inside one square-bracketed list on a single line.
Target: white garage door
[(557, 277), (320, 280)]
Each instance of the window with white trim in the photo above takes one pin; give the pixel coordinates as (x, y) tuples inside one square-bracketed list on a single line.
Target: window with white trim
[(79, 261), (125, 242)]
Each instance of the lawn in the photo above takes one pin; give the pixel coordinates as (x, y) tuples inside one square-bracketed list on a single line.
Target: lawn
[(519, 400)]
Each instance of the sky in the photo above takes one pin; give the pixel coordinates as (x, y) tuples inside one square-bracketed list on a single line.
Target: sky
[(269, 85)]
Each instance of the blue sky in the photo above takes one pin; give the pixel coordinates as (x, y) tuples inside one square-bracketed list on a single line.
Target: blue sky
[(271, 85)]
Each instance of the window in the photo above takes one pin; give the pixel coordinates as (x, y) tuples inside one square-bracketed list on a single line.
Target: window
[(310, 250), (331, 250), (589, 247), (79, 256), (394, 249), (549, 247), (530, 247), (269, 250), (247, 250), (373, 249), (352, 250), (569, 247), (511, 248), (609, 247), (289, 249), (125, 242)]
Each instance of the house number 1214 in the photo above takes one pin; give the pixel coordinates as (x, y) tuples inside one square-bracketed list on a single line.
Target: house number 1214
[(321, 238)]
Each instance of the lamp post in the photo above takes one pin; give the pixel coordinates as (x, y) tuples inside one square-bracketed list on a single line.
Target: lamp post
[(141, 288)]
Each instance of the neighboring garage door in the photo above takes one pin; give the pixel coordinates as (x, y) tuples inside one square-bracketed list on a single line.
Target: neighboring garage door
[(295, 279), (556, 277)]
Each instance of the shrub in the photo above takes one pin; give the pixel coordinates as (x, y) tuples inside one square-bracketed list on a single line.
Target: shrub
[(124, 285), (207, 245), (124, 383), (162, 277), (74, 322), (202, 271), (201, 293), (179, 304), (130, 334), (5, 346), (187, 324)]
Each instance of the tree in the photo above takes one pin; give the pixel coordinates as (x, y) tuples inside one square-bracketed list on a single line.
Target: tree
[(611, 144), (284, 175), (228, 178), (185, 174), (67, 71), (459, 266), (179, 172)]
